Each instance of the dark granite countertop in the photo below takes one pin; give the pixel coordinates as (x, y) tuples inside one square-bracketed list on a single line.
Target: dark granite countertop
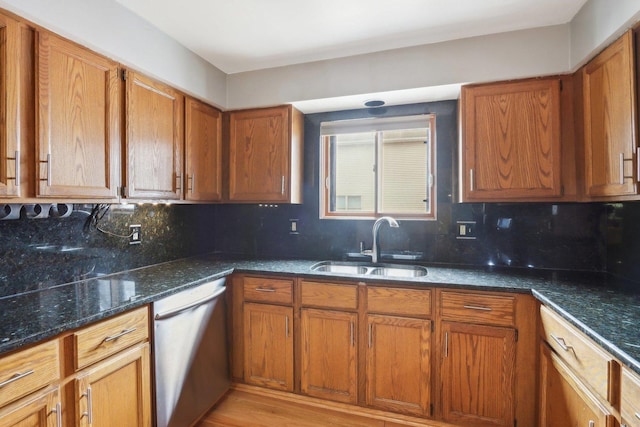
[(603, 307)]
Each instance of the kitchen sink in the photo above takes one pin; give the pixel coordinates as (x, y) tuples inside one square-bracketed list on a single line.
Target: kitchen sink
[(384, 270), (400, 271), (332, 267)]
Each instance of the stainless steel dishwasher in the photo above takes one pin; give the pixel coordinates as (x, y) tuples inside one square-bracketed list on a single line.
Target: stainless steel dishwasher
[(190, 353)]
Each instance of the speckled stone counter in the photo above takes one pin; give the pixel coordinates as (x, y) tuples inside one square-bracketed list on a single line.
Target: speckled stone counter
[(601, 306)]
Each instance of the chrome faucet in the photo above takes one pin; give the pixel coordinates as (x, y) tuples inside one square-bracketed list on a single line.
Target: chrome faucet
[(375, 251)]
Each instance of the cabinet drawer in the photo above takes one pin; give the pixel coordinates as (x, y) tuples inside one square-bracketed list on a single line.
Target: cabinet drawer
[(409, 302), (28, 370), (578, 351), (329, 295), (478, 308), (630, 398), (103, 339), (261, 289)]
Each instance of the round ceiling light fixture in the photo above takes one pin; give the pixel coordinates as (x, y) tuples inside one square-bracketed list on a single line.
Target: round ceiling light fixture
[(372, 103)]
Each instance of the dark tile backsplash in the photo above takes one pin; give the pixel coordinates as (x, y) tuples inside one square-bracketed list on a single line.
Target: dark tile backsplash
[(39, 253)]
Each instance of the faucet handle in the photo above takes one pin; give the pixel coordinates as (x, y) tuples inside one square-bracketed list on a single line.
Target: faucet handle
[(364, 251)]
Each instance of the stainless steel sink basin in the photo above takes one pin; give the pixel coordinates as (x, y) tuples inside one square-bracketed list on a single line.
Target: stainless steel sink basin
[(385, 270), (400, 271), (343, 268)]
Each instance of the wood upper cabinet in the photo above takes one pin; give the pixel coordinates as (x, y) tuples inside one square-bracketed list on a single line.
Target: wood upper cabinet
[(268, 346), (154, 120), (610, 128), (511, 141), (265, 155), (16, 107), (117, 391), (564, 401), (477, 374), (329, 354), (203, 152), (398, 373), (78, 135)]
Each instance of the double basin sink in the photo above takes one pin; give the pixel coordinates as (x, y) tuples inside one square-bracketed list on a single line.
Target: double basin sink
[(382, 270)]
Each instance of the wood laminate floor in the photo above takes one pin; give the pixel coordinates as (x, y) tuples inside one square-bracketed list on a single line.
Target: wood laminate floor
[(246, 406)]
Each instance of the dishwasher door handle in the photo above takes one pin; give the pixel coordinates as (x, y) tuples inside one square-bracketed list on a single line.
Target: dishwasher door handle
[(178, 310)]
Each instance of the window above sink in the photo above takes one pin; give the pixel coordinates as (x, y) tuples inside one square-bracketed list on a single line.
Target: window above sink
[(378, 166)]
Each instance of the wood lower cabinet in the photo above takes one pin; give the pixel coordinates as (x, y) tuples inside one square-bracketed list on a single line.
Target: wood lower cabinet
[(564, 400), (329, 354), (43, 409), (477, 374), (444, 354), (268, 345), (116, 392), (630, 398), (511, 141), (154, 139), (398, 367), (610, 115), (78, 124), (109, 373), (203, 152), (265, 155)]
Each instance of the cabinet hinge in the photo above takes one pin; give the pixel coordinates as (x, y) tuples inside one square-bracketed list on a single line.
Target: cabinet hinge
[(516, 335), (433, 328), (562, 190), (561, 86), (124, 75), (123, 191), (431, 409), (515, 423)]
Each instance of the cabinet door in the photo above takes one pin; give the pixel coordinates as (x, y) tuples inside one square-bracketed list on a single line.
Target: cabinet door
[(399, 364), (259, 150), (154, 139), (78, 141), (329, 356), (564, 401), (511, 141), (610, 121), (16, 70), (203, 152), (268, 346), (478, 374), (42, 409), (630, 398), (117, 391)]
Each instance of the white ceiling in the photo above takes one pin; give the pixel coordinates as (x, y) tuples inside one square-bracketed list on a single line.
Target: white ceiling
[(246, 35)]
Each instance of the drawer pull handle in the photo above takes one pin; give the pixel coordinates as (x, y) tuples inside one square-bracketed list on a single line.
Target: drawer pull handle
[(477, 307), (265, 290), (116, 336), (592, 423), (637, 414), (562, 343), (16, 377)]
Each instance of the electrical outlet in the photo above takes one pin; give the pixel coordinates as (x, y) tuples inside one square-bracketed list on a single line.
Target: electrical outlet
[(466, 230), (135, 234)]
